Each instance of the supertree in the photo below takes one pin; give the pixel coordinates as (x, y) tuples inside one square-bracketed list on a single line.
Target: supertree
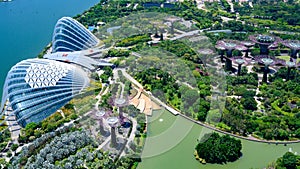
[(113, 122), (119, 102), (155, 25), (264, 41), (100, 115), (240, 61), (290, 65), (172, 20), (229, 46), (268, 61), (294, 45), (248, 45), (222, 51)]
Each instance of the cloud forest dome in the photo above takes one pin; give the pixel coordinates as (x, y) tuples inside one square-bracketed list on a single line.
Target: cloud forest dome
[(70, 35), (36, 88)]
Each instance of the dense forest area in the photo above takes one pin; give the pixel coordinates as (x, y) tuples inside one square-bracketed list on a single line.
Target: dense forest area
[(214, 148), (277, 15), (278, 117), (289, 160), (119, 9)]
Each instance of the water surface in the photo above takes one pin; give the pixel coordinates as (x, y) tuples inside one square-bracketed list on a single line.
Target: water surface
[(27, 25), (255, 155)]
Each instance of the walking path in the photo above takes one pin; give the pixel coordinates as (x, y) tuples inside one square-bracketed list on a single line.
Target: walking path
[(103, 144), (175, 112), (13, 126), (132, 135), (191, 33), (231, 5)]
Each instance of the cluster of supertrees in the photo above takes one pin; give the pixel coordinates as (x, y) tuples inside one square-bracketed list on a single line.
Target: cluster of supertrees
[(266, 43), (111, 120), (229, 46)]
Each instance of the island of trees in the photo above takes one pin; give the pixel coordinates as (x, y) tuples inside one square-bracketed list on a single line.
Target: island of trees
[(214, 148), (288, 161)]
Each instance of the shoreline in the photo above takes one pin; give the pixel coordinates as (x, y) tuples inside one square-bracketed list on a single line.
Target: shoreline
[(253, 139), (176, 113)]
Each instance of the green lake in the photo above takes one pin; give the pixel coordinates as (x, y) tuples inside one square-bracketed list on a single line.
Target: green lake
[(171, 141)]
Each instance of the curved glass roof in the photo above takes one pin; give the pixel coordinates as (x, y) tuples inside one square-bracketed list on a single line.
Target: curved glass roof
[(70, 35), (37, 88)]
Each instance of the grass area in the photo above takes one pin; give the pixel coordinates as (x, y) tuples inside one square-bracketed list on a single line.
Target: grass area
[(3, 126), (275, 106), (287, 58), (84, 104), (5, 135)]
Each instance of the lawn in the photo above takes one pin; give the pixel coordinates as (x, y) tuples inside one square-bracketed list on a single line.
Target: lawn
[(286, 58)]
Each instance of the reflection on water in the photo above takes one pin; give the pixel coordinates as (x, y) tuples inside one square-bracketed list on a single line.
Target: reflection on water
[(255, 155)]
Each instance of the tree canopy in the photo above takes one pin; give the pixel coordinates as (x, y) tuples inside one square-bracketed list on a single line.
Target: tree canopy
[(214, 148)]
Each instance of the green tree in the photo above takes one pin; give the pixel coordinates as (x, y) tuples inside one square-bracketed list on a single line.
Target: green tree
[(214, 148), (95, 76), (249, 103), (14, 147), (289, 160)]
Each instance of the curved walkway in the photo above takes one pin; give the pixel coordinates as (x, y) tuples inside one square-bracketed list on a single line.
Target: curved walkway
[(237, 136), (173, 111)]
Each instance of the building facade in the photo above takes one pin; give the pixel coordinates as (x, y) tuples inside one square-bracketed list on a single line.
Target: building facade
[(36, 88), (70, 35)]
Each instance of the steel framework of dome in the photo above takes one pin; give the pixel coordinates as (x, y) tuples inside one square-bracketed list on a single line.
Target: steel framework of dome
[(73, 57), (70, 35), (36, 88)]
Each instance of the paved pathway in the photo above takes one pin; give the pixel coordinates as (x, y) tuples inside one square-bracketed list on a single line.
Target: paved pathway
[(231, 5), (103, 144), (191, 33), (132, 135), (13, 126), (175, 112), (136, 54), (130, 78)]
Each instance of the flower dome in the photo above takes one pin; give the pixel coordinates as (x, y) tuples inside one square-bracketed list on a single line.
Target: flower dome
[(37, 88)]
